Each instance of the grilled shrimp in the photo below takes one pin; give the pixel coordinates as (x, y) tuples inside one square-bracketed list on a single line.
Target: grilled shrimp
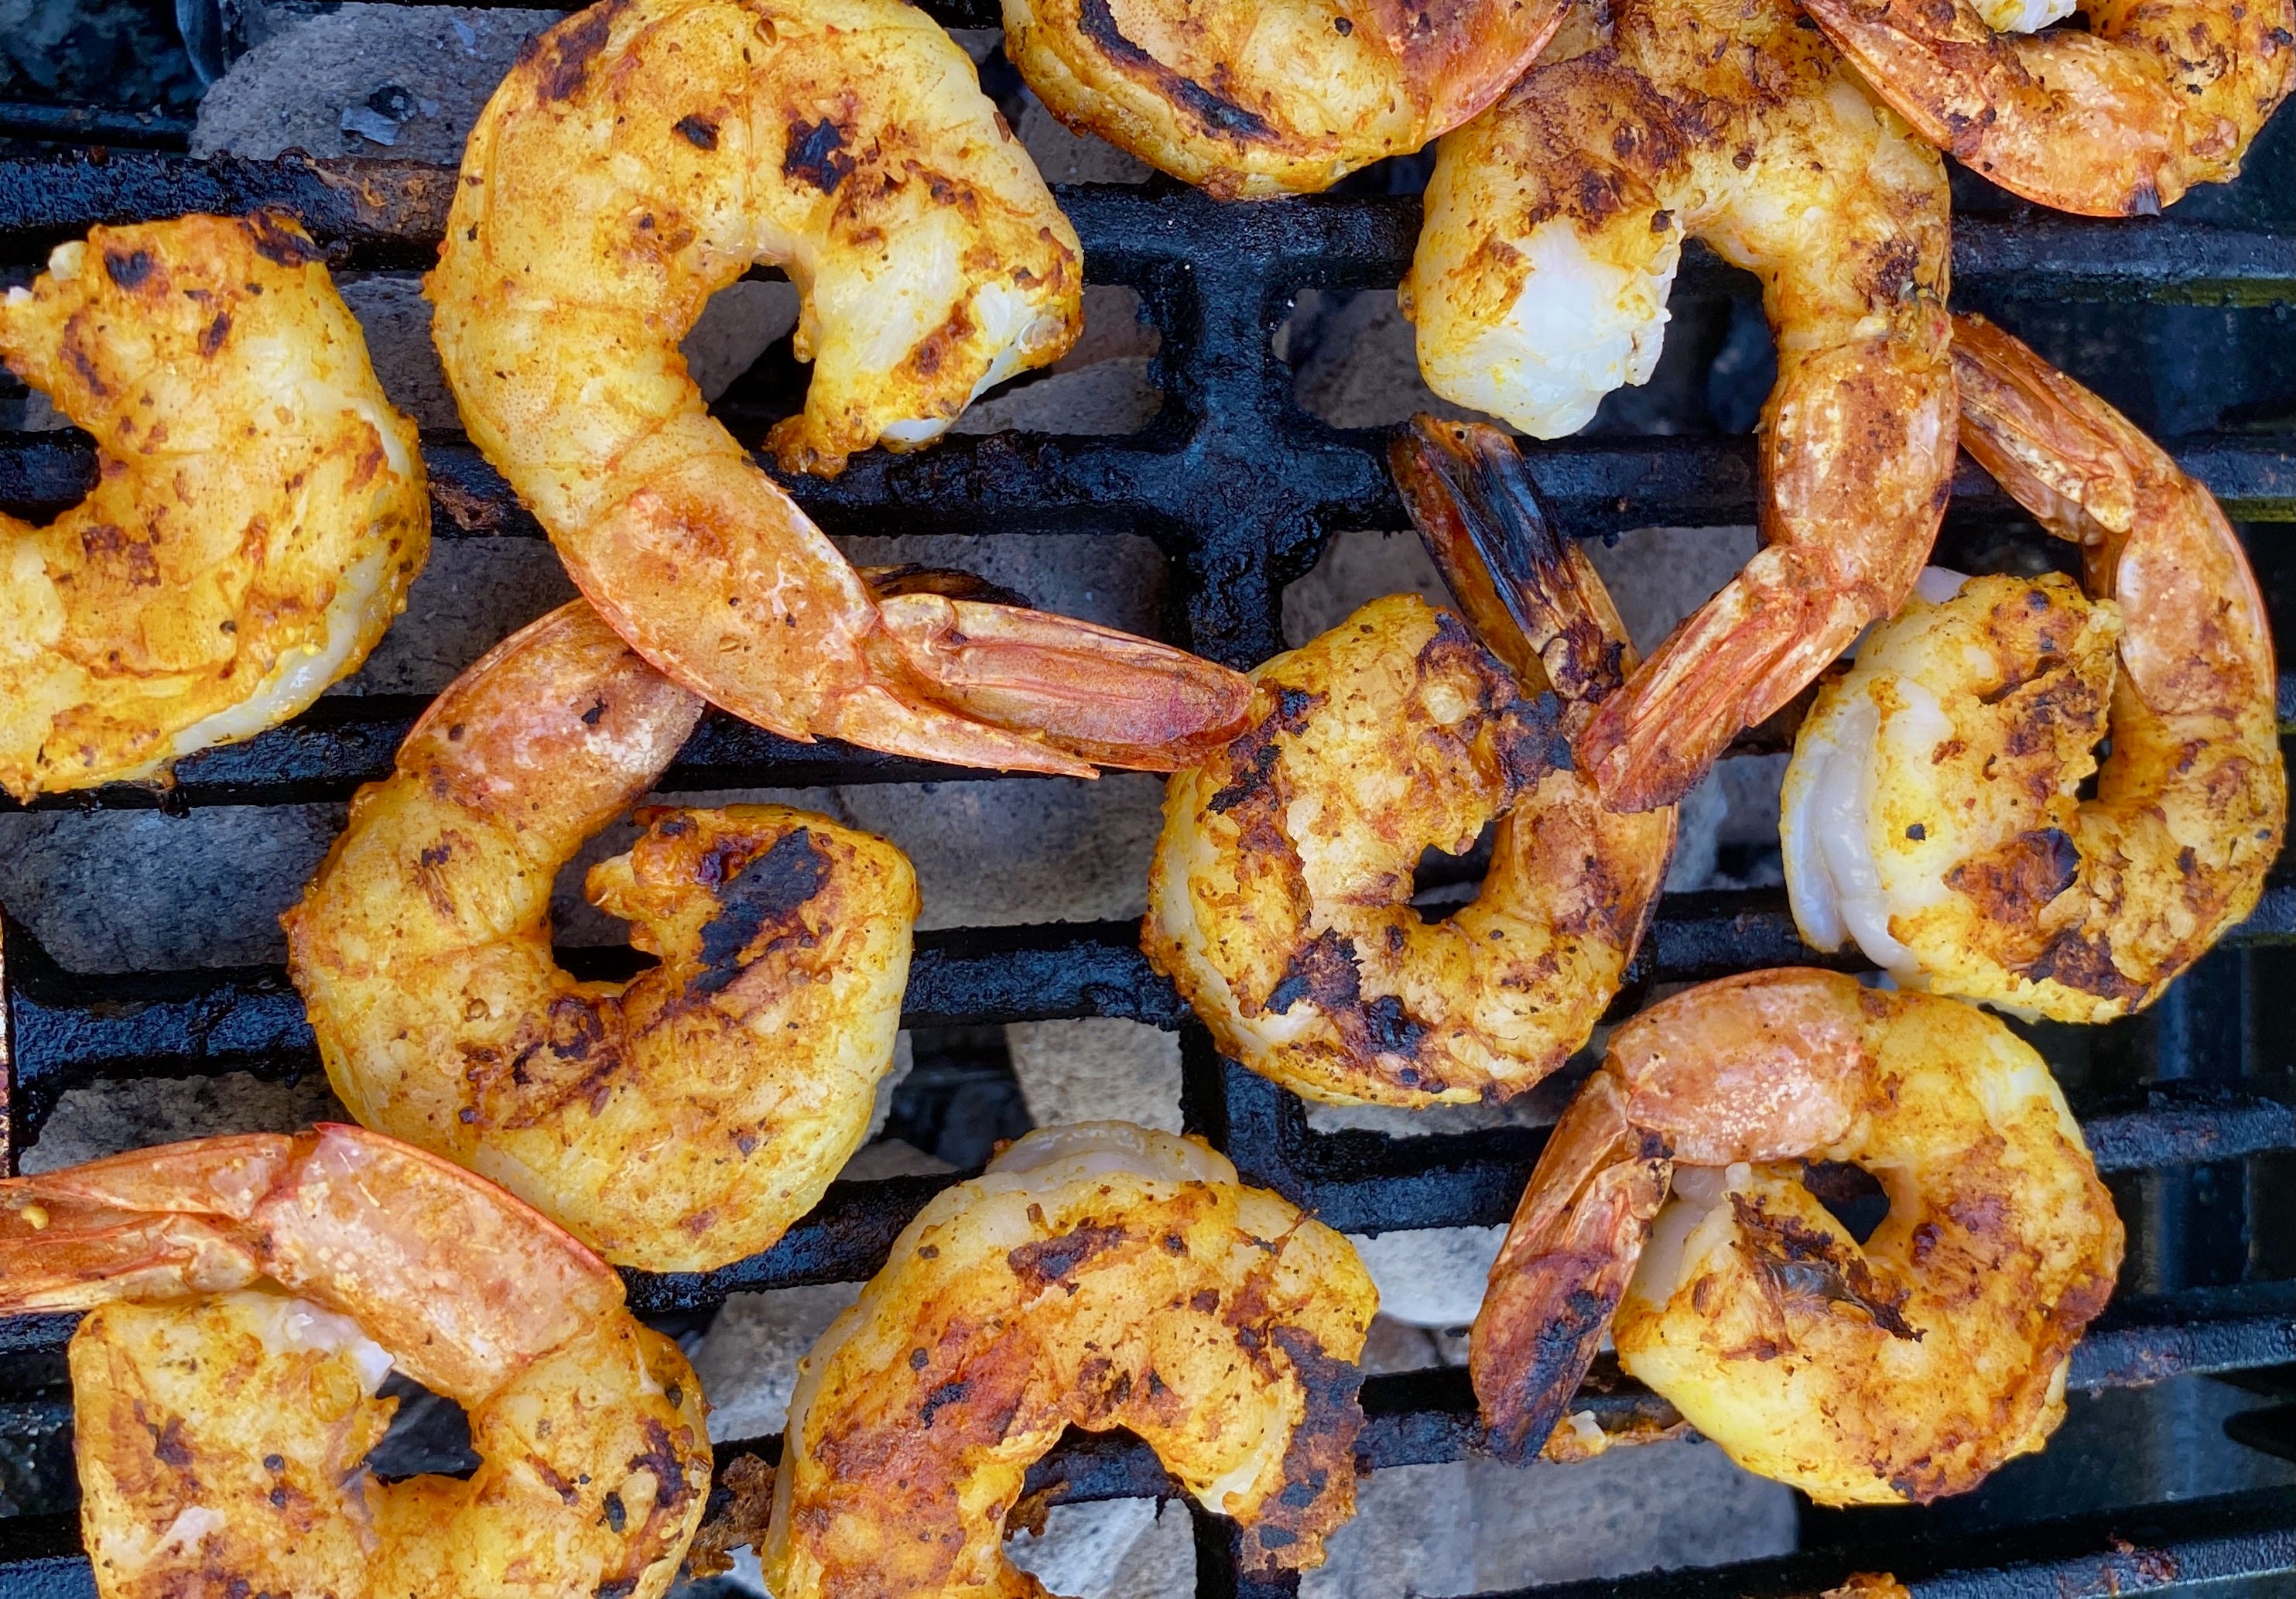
[(258, 511), (675, 1122), (1932, 811), (641, 158), (1248, 99), (1280, 894), (1555, 222), (1904, 1369), (248, 1295), (2116, 119), (1096, 1276)]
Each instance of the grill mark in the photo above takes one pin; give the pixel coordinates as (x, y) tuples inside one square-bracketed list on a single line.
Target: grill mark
[(815, 154), (1800, 1262), (1322, 970), (569, 49), (698, 131), (128, 267), (277, 239), (1223, 119), (769, 888), (1049, 1260)]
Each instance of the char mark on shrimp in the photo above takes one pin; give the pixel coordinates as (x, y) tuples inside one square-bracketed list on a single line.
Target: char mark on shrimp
[(1319, 1459), (277, 238), (816, 153), (1050, 1260), (1220, 117), (572, 46), (1805, 1267), (1253, 755), (1324, 970), (769, 889), (2085, 962), (2013, 883)]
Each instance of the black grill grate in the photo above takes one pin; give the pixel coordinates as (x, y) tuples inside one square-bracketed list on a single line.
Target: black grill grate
[(1240, 488)]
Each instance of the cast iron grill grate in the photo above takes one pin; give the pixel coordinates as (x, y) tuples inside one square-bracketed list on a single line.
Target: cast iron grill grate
[(1240, 488)]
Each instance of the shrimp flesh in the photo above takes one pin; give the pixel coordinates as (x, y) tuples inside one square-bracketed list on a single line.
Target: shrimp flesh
[(1247, 99), (259, 512), (642, 157), (1280, 894), (1933, 808), (1096, 1276), (1905, 1368), (1553, 225), (675, 1122), (2116, 119), (248, 1295)]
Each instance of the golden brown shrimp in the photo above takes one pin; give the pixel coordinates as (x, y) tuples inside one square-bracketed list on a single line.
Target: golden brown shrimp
[(675, 1122), (640, 158), (1279, 898), (1932, 810), (2116, 119), (249, 1295), (258, 509), (1555, 222), (1247, 98), (1905, 1368), (1096, 1276)]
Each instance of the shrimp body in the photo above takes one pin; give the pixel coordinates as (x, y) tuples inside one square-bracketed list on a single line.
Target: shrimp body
[(1247, 99), (643, 156), (1555, 222), (2119, 120), (675, 1122), (1095, 1275), (1905, 1368), (1932, 811), (1280, 894), (249, 1294), (258, 514)]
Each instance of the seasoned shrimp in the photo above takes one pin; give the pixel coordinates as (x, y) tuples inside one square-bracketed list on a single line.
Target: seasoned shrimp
[(1933, 808), (1279, 898), (675, 1122), (1905, 1368), (2116, 119), (640, 158), (1555, 222), (1247, 98), (249, 1295), (1096, 1276), (258, 509)]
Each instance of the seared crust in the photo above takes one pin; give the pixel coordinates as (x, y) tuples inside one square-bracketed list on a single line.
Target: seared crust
[(1212, 1320)]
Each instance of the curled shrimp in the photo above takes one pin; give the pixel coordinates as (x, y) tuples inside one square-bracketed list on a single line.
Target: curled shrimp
[(1932, 809), (1905, 1368), (247, 1296), (1095, 1275), (1555, 222), (675, 1122), (2116, 119), (258, 509), (642, 157), (1247, 99), (1280, 894)]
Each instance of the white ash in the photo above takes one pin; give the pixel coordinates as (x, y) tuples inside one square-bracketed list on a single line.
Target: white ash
[(1097, 1069), (1431, 1278)]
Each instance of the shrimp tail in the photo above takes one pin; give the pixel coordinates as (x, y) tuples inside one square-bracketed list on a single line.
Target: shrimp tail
[(1858, 465), (1568, 1255), (433, 1268), (1528, 590), (2074, 463), (1061, 686)]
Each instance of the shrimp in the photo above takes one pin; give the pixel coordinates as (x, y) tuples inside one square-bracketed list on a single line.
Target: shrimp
[(259, 512), (641, 158), (1905, 1368), (247, 1296), (1247, 99), (1279, 896), (1553, 225), (675, 1122), (1096, 1276), (1932, 809), (2115, 121)]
